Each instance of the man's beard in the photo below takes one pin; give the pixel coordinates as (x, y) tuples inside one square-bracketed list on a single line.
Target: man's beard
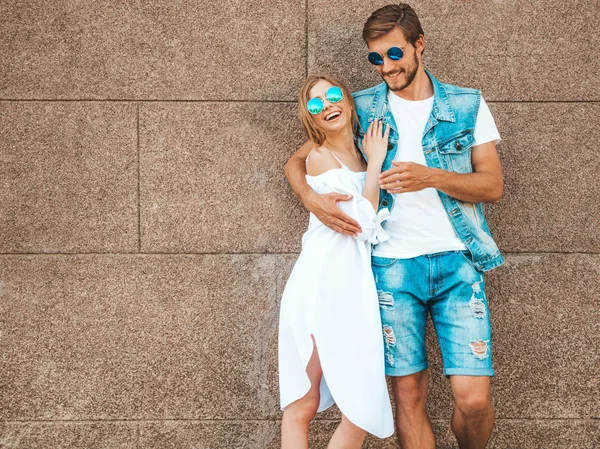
[(410, 76)]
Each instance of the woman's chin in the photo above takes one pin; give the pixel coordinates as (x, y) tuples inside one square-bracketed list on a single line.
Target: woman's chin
[(337, 127)]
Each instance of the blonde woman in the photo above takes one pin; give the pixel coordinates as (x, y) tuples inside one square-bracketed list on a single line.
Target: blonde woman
[(330, 335)]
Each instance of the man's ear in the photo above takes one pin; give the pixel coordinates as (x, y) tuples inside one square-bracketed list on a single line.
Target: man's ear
[(420, 44)]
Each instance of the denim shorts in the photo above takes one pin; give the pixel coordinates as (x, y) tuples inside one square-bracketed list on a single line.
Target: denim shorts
[(449, 287)]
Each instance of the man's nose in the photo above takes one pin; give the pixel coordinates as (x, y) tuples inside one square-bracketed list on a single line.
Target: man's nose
[(387, 65)]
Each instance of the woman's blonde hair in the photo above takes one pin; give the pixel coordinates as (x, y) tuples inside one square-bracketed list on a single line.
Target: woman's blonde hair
[(308, 124)]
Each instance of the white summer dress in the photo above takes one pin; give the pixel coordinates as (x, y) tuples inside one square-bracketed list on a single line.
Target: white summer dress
[(331, 294)]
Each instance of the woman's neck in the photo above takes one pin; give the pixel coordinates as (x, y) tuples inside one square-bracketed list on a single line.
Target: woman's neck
[(342, 142)]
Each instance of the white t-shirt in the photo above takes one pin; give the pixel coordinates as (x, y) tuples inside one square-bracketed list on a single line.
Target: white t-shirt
[(418, 222)]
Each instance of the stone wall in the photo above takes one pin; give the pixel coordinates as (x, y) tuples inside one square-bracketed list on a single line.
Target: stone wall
[(147, 230)]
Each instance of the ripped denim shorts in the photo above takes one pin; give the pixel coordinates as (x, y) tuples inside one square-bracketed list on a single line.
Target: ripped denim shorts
[(449, 287)]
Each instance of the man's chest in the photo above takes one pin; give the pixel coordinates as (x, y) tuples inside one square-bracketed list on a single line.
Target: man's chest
[(410, 129)]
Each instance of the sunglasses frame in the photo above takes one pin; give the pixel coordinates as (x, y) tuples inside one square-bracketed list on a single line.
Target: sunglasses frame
[(313, 110), (373, 54)]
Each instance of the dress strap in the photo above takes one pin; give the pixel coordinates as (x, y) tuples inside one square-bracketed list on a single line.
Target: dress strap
[(337, 159), (330, 152), (307, 156)]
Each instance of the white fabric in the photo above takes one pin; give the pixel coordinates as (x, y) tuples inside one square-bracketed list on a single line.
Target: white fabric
[(331, 294), (485, 127), (419, 223)]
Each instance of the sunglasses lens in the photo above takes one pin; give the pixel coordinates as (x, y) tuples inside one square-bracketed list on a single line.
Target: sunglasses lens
[(314, 105), (395, 53), (375, 58), (334, 94)]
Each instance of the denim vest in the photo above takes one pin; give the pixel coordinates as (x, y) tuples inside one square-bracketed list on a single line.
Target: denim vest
[(447, 142)]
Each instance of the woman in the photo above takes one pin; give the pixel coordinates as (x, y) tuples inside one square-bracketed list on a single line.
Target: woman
[(330, 336)]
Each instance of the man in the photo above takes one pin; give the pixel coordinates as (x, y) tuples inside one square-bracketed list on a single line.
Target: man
[(441, 166)]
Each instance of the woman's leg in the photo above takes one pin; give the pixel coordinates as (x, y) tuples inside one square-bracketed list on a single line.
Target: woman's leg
[(297, 415), (347, 436)]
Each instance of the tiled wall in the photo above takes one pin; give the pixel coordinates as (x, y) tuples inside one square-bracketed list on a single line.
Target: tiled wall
[(147, 230)]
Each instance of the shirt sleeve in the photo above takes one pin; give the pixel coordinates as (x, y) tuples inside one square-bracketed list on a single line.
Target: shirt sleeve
[(485, 127)]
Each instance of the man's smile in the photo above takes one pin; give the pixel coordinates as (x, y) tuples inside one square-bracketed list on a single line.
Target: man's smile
[(393, 75)]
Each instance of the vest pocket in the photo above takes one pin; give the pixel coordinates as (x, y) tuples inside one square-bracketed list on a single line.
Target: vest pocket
[(456, 152), (458, 144)]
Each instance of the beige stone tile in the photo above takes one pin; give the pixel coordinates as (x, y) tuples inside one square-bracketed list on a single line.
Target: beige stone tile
[(252, 50), (194, 337), (545, 434), (507, 434), (212, 178), (68, 435), (550, 168), (137, 337), (210, 435), (69, 177), (512, 50)]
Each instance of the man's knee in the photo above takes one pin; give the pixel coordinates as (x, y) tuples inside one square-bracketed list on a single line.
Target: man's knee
[(472, 395), (411, 391), (473, 403)]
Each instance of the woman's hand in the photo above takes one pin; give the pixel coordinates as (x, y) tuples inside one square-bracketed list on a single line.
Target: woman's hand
[(375, 145), (375, 142)]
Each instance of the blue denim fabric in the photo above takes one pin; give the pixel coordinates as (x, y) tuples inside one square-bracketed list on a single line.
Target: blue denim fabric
[(447, 142), (449, 287)]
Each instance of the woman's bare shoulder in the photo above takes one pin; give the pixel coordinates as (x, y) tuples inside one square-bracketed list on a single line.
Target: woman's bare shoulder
[(319, 161)]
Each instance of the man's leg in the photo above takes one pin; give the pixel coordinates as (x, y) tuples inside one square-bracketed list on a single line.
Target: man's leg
[(461, 317), (473, 417), (412, 422), (403, 289)]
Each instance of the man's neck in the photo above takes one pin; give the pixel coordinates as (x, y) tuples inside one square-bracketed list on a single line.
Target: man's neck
[(421, 88)]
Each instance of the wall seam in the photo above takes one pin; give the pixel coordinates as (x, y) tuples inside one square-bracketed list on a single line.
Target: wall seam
[(139, 181), (209, 100), (291, 253), (248, 420), (306, 38)]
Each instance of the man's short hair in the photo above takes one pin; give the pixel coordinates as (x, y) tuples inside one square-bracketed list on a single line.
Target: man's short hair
[(385, 19)]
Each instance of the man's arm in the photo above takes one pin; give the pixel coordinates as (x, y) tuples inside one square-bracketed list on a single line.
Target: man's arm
[(295, 171), (324, 207), (484, 185)]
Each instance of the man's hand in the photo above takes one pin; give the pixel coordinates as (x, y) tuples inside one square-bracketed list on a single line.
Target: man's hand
[(325, 208), (483, 185), (407, 177)]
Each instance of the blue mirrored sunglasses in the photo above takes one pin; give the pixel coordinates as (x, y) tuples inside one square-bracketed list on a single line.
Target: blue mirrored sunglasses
[(394, 53), (316, 105)]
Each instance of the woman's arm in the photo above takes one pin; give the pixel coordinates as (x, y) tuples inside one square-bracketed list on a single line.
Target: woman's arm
[(295, 171), (375, 144)]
